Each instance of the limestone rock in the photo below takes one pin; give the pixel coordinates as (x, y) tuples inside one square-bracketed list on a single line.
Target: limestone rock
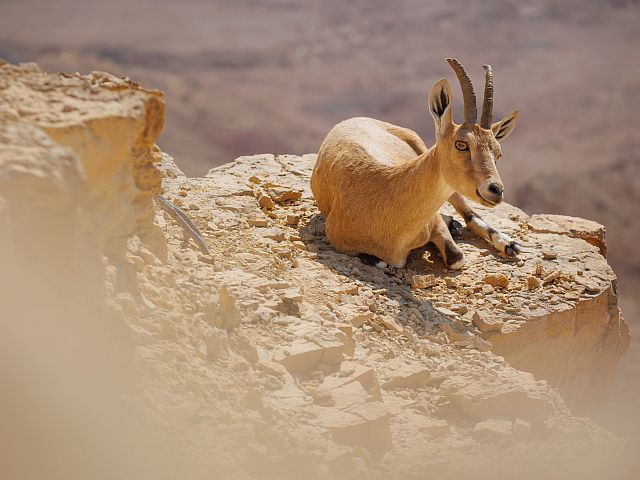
[(275, 348), (423, 281), (496, 280), (486, 325), (368, 427), (587, 230), (405, 375), (515, 396)]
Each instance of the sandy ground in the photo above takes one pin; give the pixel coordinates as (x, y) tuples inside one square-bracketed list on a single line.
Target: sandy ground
[(246, 77)]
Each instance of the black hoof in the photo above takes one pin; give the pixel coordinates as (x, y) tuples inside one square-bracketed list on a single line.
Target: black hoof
[(513, 249), (367, 259), (455, 227)]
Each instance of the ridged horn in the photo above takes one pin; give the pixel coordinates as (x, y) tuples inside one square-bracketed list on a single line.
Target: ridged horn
[(468, 95), (487, 102)]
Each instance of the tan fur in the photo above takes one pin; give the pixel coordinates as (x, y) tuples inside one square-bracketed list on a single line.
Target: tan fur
[(380, 188)]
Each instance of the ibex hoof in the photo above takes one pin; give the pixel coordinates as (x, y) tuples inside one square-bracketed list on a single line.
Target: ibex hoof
[(371, 260), (512, 249), (455, 227)]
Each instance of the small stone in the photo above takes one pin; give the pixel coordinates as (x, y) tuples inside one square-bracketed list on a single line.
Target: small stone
[(572, 296), (265, 201), (293, 294), (446, 312), (487, 289), (347, 289), (450, 282), (460, 309), (193, 206), (589, 286), (346, 329), (274, 234), (533, 282), (283, 194), (496, 280), (254, 179), (293, 219), (549, 255), (361, 318), (551, 277), (299, 245), (452, 336), (206, 259), (391, 324), (257, 222), (485, 325), (423, 281)]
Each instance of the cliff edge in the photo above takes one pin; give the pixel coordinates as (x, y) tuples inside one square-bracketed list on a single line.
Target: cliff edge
[(271, 355)]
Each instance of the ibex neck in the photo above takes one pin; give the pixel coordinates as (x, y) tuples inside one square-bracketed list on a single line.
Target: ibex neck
[(422, 180)]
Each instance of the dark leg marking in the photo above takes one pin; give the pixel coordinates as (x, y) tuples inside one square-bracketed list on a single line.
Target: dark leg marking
[(469, 216), (452, 253), (367, 259)]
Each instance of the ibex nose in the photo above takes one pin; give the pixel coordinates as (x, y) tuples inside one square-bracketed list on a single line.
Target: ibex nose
[(492, 193), (496, 189)]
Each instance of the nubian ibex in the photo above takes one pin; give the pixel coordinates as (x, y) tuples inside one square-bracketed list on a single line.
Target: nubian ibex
[(379, 187)]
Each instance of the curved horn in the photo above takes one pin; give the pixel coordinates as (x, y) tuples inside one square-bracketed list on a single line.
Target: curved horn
[(468, 95), (487, 103)]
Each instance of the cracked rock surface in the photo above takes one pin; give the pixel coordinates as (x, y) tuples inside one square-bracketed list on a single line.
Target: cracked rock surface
[(274, 356)]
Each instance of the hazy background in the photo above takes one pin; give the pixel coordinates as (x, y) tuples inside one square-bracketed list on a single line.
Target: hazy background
[(249, 76)]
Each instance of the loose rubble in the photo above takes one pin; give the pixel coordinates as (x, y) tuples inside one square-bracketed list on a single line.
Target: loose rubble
[(274, 356)]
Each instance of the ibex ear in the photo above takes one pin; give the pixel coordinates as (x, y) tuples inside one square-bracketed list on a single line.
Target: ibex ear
[(504, 127), (440, 106)]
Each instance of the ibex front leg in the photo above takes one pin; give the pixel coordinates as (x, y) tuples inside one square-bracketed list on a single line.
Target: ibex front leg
[(502, 242), (441, 236)]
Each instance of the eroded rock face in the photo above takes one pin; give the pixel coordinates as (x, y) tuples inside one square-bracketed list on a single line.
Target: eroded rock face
[(553, 312), (413, 329), (77, 181), (273, 356)]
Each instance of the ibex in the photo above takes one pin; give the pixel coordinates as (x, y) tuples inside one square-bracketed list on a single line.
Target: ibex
[(379, 187)]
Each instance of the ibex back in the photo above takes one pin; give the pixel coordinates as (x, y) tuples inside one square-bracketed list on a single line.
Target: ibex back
[(379, 187)]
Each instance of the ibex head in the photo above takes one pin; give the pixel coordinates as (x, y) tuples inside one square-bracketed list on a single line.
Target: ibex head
[(470, 150)]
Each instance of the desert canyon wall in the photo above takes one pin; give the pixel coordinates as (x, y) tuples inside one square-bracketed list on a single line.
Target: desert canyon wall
[(128, 351)]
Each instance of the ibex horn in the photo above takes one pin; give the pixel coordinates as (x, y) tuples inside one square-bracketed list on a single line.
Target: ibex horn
[(468, 95), (487, 103)]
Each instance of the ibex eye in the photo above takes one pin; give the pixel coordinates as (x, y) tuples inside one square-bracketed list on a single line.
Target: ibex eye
[(462, 146)]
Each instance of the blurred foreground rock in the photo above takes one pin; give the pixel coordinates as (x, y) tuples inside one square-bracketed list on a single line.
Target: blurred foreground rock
[(273, 356)]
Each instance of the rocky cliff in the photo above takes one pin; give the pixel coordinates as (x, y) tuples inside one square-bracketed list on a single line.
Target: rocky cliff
[(269, 355)]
